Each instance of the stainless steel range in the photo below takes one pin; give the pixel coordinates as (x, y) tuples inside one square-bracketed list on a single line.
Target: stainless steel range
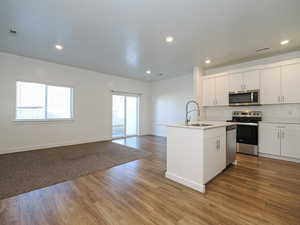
[(247, 130)]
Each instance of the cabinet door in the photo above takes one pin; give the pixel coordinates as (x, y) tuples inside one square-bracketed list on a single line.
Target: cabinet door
[(214, 156), (251, 80), (222, 90), (236, 82), (269, 139), (270, 81), (290, 78), (209, 96), (290, 136)]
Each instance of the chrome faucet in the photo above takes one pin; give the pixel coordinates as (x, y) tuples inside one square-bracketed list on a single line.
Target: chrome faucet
[(187, 112)]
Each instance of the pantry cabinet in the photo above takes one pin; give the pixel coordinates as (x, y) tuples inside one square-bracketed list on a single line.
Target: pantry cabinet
[(215, 91), (279, 139)]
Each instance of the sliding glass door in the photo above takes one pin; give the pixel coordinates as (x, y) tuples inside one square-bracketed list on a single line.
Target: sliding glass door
[(125, 115)]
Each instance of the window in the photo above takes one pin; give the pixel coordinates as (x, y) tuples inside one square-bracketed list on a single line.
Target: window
[(43, 102)]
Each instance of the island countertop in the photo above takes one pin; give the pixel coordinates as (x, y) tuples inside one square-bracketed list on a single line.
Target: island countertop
[(213, 124)]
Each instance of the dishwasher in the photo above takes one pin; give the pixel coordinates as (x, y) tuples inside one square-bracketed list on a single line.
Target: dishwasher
[(231, 132)]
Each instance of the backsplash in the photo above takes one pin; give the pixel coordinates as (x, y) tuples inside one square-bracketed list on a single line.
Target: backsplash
[(271, 113)]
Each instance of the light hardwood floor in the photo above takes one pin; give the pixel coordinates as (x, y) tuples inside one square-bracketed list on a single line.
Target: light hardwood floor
[(256, 191)]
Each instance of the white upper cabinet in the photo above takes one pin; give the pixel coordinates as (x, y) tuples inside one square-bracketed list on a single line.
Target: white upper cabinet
[(235, 82), (290, 78), (244, 81), (279, 83), (270, 82), (209, 92), (222, 90), (290, 136), (215, 91), (251, 80)]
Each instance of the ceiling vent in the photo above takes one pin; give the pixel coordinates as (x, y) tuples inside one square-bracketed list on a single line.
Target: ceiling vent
[(13, 31), (262, 49)]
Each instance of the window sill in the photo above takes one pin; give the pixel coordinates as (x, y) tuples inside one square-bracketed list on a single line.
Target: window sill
[(43, 121)]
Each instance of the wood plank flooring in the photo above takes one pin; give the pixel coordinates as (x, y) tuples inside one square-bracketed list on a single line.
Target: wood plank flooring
[(256, 191)]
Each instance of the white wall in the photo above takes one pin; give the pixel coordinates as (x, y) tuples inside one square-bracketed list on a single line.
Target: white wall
[(161, 102), (168, 101), (92, 104), (289, 113)]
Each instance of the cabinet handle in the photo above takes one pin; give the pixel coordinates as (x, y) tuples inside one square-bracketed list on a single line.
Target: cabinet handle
[(215, 101), (282, 134), (278, 133), (218, 144)]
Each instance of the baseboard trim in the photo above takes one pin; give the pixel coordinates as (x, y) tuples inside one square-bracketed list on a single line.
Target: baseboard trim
[(189, 183), (279, 157), (52, 145)]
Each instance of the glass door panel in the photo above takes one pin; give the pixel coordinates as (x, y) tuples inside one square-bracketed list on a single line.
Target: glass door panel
[(118, 116), (125, 115), (131, 115)]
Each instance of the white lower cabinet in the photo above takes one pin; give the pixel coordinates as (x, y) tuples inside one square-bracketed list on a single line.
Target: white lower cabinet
[(279, 139), (290, 137), (269, 139), (215, 157)]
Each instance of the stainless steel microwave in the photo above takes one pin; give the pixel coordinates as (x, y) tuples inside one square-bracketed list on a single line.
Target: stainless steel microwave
[(244, 98)]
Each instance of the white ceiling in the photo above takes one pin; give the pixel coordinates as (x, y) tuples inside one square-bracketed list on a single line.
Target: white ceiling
[(127, 37)]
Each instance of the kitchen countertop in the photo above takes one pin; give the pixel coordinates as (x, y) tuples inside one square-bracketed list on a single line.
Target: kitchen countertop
[(215, 124), (281, 122)]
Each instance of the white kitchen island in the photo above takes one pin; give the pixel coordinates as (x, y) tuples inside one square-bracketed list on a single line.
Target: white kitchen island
[(196, 154)]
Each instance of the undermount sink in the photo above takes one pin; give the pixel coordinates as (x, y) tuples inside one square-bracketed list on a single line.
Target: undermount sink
[(199, 125)]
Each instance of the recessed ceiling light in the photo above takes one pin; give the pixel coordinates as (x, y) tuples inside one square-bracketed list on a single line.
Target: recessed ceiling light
[(59, 47), (284, 42), (207, 61), (148, 72), (169, 39)]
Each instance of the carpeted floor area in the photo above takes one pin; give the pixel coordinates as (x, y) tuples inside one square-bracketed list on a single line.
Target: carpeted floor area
[(26, 171)]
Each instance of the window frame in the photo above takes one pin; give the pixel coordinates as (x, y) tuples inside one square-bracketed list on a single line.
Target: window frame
[(46, 103)]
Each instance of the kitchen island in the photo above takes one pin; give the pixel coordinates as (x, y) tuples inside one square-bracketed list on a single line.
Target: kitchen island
[(196, 153)]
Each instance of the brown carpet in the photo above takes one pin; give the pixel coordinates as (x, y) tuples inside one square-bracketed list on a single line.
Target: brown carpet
[(26, 171)]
